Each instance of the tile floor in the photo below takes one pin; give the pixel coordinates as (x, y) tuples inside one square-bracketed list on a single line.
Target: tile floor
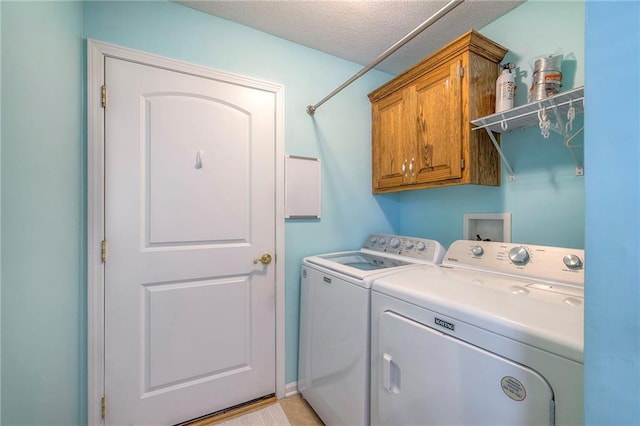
[(299, 412), (295, 408)]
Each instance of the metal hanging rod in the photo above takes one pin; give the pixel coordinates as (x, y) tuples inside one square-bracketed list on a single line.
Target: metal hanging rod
[(311, 109)]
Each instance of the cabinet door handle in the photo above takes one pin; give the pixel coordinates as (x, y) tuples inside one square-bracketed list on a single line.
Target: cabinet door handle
[(404, 167), (411, 167)]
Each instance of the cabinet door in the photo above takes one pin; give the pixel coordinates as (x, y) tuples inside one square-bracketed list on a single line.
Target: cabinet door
[(437, 124), (390, 138)]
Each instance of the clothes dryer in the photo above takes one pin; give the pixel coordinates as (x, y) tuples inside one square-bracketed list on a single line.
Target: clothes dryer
[(494, 336), (333, 368)]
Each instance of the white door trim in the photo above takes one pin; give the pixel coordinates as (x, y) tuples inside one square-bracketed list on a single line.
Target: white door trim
[(96, 53)]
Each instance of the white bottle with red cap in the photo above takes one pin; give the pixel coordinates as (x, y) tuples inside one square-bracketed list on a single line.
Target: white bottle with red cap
[(505, 88)]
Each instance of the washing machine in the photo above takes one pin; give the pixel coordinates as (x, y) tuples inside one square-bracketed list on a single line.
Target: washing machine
[(333, 365), (494, 336)]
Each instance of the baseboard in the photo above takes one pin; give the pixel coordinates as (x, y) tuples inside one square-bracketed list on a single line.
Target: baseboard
[(291, 389)]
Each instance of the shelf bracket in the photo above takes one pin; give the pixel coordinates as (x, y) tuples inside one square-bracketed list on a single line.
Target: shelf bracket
[(562, 128), (512, 176), (567, 143)]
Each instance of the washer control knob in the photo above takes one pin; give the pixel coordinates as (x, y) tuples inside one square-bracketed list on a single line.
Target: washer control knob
[(519, 255), (477, 251), (421, 246), (373, 240), (395, 242), (382, 241), (572, 261), (409, 245)]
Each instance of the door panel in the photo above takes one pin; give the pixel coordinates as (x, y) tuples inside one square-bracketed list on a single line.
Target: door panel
[(390, 141), (430, 378), (189, 196), (438, 130), (219, 135), (173, 358)]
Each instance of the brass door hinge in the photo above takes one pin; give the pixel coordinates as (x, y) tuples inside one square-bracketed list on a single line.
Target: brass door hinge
[(104, 251), (461, 71), (104, 96), (103, 407)]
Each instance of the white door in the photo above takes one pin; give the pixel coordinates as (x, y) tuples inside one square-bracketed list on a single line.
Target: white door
[(425, 377), (189, 200)]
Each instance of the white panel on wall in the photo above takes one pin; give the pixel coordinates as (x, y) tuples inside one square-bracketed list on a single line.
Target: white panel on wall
[(302, 187)]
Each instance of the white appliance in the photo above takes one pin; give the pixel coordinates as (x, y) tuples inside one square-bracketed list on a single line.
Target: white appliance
[(494, 336), (333, 366)]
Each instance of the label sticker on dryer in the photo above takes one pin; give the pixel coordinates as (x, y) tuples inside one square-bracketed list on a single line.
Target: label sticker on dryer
[(513, 388)]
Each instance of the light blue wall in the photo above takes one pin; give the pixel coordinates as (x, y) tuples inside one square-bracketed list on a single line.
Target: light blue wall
[(43, 331), (547, 199), (612, 301), (339, 134)]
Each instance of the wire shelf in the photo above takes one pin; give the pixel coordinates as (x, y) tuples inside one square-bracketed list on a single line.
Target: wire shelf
[(527, 115), (556, 107)]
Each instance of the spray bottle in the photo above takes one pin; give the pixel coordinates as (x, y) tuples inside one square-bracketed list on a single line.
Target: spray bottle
[(505, 87)]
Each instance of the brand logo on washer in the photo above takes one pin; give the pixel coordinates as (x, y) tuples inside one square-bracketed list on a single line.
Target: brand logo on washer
[(444, 324), (327, 280)]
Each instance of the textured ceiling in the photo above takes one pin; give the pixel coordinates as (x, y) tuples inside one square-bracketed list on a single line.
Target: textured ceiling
[(360, 31)]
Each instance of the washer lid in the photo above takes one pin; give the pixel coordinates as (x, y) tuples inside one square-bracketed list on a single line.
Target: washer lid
[(543, 315), (356, 264), (363, 261)]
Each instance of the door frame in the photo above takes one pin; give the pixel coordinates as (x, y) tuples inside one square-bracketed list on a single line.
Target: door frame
[(96, 53)]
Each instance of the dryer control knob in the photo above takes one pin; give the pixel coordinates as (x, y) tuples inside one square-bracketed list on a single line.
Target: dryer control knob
[(572, 261), (572, 301), (409, 245), (516, 289), (477, 251), (519, 255), (395, 242), (421, 246)]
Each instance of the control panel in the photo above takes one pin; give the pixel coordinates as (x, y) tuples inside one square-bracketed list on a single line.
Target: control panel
[(420, 249), (526, 260)]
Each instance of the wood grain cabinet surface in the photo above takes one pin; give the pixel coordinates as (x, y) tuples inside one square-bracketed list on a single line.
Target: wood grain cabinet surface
[(421, 130)]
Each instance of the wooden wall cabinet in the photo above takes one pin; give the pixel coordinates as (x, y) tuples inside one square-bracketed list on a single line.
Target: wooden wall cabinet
[(421, 134)]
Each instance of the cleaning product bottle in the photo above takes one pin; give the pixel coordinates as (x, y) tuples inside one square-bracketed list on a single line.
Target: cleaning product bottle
[(505, 88)]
